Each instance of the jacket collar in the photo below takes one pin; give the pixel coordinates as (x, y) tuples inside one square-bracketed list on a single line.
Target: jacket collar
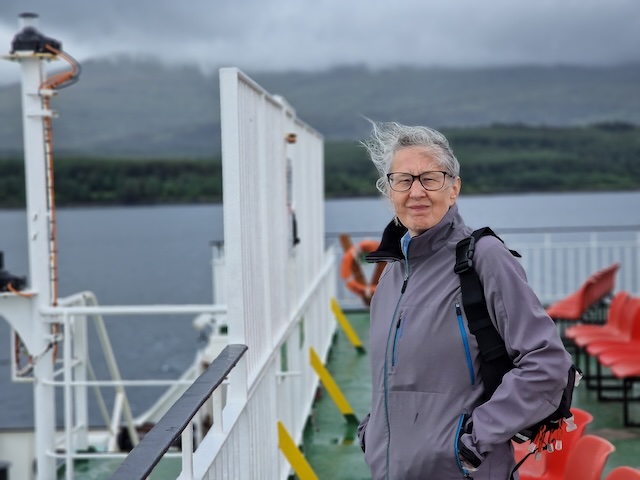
[(429, 241)]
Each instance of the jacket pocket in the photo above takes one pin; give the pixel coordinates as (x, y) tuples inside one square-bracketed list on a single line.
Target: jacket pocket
[(399, 330), (456, 442), (362, 428), (462, 453)]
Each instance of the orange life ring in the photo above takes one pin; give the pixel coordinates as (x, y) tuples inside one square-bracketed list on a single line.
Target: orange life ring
[(349, 263)]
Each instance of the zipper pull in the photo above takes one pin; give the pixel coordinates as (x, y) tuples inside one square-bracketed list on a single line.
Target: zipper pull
[(458, 311), (406, 280)]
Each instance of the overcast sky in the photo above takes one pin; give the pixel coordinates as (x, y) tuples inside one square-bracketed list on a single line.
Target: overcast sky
[(317, 34)]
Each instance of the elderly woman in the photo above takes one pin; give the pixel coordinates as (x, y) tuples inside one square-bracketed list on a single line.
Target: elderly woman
[(428, 418)]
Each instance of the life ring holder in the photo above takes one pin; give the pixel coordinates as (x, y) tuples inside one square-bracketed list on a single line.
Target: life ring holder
[(350, 265)]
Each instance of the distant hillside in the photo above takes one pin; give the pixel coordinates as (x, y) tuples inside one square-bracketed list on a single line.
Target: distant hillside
[(145, 109), (498, 159)]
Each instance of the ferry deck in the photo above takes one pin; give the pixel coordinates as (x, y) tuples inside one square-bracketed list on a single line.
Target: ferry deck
[(331, 444)]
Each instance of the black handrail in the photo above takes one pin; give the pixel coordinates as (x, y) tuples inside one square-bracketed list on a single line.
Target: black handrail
[(146, 455)]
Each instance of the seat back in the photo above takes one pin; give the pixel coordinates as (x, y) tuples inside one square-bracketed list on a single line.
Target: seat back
[(635, 319), (593, 290), (587, 458), (571, 307), (612, 321), (598, 291), (605, 283), (623, 473), (629, 318), (616, 307)]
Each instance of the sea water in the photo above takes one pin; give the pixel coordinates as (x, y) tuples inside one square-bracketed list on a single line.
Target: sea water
[(162, 255)]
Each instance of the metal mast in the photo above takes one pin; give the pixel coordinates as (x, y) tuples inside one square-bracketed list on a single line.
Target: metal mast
[(24, 311)]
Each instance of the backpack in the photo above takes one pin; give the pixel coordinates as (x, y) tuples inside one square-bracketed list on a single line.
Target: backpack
[(495, 360)]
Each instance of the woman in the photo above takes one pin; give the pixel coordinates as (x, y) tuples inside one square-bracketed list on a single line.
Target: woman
[(424, 362)]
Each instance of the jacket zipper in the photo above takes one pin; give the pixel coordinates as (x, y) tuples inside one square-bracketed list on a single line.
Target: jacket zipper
[(465, 342), (386, 363), (398, 331), (386, 386)]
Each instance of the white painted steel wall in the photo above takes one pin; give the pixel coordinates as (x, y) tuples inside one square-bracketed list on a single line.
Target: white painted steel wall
[(277, 294)]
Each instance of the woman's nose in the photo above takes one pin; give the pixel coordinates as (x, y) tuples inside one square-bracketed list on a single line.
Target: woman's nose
[(417, 190)]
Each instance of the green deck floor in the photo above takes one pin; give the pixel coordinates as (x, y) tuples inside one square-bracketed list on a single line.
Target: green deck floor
[(331, 446), (100, 469)]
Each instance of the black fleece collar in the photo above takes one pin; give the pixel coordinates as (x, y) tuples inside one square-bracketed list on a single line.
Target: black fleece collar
[(389, 248)]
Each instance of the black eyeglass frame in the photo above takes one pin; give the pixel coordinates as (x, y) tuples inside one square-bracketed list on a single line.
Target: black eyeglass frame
[(417, 177)]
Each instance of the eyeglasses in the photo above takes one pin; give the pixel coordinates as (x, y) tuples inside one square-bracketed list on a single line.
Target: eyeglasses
[(431, 181)]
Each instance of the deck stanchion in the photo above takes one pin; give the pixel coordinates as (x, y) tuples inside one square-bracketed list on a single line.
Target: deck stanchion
[(332, 387), (346, 326), (293, 455)]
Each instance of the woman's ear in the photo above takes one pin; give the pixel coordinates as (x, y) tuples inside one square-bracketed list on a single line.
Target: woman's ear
[(455, 190)]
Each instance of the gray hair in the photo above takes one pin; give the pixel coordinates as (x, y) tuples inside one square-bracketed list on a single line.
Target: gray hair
[(388, 138)]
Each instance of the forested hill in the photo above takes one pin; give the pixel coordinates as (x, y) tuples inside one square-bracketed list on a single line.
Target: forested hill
[(505, 159), (126, 108)]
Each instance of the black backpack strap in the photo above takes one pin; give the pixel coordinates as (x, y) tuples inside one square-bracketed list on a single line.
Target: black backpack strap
[(495, 359)]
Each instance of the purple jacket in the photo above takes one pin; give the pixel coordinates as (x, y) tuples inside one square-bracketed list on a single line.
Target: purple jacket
[(425, 363)]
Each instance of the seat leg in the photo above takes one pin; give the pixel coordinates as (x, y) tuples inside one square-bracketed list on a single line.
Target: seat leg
[(577, 356), (601, 387), (627, 398)]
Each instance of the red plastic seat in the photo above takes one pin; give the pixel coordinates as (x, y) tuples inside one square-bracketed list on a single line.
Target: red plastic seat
[(623, 353), (605, 283), (552, 465), (623, 473), (629, 331), (628, 353), (620, 340), (612, 325), (629, 372), (594, 289), (587, 459), (618, 312), (571, 307)]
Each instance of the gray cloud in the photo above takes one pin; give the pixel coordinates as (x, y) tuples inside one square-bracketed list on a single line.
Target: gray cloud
[(312, 35)]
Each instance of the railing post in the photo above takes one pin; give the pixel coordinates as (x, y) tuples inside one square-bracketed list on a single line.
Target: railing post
[(187, 452), (179, 421), (635, 287), (68, 408), (216, 412), (546, 261), (593, 244)]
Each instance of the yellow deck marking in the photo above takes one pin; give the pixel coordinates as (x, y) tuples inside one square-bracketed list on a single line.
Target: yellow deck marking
[(332, 387), (294, 455), (346, 326)]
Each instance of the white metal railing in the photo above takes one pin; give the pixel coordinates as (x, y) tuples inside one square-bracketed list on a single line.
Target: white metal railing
[(557, 260), (178, 422), (73, 378), (276, 280), (556, 268), (277, 290)]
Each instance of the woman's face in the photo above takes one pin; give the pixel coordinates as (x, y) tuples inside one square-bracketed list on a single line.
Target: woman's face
[(419, 209)]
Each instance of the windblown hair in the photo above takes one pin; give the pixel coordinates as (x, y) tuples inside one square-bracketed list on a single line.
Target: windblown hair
[(388, 138)]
